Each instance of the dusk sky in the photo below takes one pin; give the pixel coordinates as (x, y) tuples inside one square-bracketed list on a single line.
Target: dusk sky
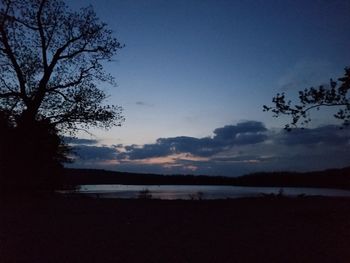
[(193, 78)]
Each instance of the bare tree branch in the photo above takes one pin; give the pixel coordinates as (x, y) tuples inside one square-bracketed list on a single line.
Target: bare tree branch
[(42, 35), (315, 98), (8, 51)]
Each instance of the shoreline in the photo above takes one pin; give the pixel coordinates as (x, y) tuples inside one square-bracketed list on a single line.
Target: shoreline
[(310, 229)]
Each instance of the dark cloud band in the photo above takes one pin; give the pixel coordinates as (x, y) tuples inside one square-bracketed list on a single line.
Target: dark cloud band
[(250, 132), (232, 150)]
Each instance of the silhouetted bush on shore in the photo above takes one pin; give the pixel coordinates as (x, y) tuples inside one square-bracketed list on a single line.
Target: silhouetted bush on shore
[(31, 157)]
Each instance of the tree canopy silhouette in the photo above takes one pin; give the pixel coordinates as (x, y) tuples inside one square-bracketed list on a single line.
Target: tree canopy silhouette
[(51, 61), (335, 95)]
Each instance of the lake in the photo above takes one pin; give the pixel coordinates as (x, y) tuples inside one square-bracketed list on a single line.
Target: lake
[(188, 192)]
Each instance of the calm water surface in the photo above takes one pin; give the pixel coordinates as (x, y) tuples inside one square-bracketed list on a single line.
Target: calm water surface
[(187, 192)]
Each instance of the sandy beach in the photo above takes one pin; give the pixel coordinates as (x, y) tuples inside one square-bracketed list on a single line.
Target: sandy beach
[(111, 230)]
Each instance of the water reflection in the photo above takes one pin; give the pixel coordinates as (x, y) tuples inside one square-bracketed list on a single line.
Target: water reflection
[(188, 192)]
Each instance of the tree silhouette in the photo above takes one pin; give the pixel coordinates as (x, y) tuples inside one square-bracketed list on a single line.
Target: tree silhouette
[(336, 95), (50, 61), (50, 64)]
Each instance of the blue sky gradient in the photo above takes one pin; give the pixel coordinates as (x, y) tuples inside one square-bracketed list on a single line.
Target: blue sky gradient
[(190, 67)]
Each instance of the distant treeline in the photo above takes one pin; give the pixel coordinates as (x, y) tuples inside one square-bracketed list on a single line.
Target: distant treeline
[(335, 178)]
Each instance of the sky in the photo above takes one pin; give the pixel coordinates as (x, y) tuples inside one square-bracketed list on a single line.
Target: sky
[(193, 78)]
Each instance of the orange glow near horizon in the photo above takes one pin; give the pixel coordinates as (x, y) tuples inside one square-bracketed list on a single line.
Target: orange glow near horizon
[(169, 160)]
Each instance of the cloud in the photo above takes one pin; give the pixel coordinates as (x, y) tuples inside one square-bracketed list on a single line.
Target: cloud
[(306, 73), (250, 132), (230, 132), (96, 153), (327, 135), (232, 150), (143, 103), (73, 140)]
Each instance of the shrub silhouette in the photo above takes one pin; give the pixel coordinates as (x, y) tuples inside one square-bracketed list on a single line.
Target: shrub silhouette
[(31, 156), (145, 194)]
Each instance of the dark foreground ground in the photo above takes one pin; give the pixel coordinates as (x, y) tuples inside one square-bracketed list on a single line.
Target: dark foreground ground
[(244, 230)]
